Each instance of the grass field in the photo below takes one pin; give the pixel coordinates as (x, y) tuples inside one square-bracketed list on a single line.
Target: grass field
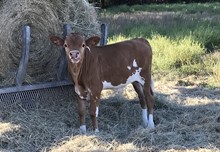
[(185, 40)]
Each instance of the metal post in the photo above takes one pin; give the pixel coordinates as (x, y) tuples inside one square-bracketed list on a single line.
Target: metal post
[(104, 34), (24, 57)]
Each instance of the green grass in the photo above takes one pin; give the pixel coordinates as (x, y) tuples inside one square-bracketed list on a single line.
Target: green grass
[(184, 8), (174, 54), (184, 40), (176, 26)]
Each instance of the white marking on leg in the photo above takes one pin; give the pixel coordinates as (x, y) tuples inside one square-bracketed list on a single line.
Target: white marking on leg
[(144, 117), (82, 129), (97, 112), (77, 90), (151, 122)]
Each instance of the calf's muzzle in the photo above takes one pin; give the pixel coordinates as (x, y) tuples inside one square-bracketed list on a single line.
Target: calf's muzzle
[(74, 55)]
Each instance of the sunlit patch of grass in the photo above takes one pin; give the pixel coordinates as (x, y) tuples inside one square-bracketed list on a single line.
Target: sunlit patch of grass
[(215, 79), (92, 143), (216, 71), (210, 60), (117, 38), (211, 64), (173, 54), (7, 127)]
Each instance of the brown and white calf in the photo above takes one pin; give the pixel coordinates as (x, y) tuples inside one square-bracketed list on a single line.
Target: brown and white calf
[(94, 68)]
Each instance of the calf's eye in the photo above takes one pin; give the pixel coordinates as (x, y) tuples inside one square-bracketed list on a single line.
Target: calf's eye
[(65, 45), (83, 45)]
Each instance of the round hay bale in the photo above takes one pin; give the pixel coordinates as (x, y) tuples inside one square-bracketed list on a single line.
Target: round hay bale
[(44, 18)]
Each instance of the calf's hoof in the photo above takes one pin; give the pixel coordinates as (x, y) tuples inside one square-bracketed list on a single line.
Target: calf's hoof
[(96, 130), (151, 125), (144, 118), (151, 122), (145, 124), (82, 129)]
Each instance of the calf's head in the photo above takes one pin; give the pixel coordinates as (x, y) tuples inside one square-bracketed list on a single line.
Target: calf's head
[(75, 45)]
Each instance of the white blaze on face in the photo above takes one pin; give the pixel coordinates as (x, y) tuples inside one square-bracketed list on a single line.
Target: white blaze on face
[(134, 77)]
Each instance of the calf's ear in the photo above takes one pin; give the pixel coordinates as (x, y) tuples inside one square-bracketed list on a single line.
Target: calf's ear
[(93, 41), (57, 41)]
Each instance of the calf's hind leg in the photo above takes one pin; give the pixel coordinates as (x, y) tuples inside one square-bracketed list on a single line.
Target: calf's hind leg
[(139, 89), (150, 104)]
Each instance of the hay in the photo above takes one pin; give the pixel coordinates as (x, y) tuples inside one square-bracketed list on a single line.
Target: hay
[(54, 126), (44, 18)]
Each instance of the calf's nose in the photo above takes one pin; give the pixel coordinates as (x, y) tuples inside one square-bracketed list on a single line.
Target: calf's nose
[(74, 54)]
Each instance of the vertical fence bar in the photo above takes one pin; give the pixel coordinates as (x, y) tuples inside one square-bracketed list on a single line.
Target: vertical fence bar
[(62, 71), (104, 34), (24, 56)]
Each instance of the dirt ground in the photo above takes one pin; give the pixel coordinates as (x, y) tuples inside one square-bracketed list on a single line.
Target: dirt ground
[(187, 119)]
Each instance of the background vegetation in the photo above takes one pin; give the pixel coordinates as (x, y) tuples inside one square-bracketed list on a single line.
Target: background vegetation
[(185, 38), (108, 3)]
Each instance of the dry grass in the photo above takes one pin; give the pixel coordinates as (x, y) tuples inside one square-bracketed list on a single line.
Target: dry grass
[(44, 18), (187, 119)]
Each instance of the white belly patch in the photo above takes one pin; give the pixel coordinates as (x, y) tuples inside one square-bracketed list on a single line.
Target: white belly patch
[(134, 77)]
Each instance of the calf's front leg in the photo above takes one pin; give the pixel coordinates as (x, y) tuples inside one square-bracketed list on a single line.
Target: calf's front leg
[(94, 110), (82, 115)]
